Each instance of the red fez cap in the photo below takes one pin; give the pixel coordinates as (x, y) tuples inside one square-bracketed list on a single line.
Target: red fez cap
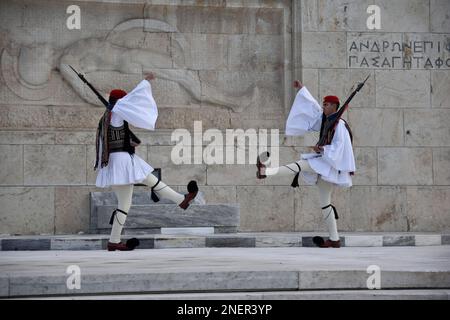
[(332, 99), (117, 94)]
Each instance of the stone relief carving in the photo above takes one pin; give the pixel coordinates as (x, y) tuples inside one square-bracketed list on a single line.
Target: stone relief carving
[(27, 71), (108, 54)]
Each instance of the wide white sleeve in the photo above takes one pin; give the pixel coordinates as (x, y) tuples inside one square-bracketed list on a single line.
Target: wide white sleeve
[(339, 154), (138, 107), (305, 114)]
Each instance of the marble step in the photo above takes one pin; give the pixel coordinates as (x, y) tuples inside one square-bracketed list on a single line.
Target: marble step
[(146, 216), (410, 294), (205, 237), (208, 270)]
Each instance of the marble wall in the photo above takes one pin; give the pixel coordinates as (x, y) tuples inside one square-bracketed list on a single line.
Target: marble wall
[(229, 64)]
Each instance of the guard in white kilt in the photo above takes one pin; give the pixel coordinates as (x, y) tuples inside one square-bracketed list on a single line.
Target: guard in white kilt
[(118, 165), (332, 163)]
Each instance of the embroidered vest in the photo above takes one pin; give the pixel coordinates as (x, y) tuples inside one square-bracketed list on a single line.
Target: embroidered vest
[(119, 139)]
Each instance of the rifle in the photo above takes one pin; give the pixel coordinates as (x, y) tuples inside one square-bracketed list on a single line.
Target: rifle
[(332, 120), (81, 76)]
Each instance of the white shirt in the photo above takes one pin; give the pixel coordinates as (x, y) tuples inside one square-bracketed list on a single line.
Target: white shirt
[(139, 109), (336, 161)]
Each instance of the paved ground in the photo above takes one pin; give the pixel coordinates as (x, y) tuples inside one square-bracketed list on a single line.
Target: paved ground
[(432, 258), (37, 273)]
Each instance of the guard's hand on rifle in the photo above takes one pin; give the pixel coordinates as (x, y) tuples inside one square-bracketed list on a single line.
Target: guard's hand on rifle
[(298, 84), (317, 149), (149, 76)]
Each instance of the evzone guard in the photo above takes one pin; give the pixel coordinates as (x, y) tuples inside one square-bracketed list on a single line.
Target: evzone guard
[(118, 165), (332, 164)]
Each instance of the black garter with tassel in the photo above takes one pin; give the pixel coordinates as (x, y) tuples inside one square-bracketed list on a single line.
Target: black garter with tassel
[(294, 183)]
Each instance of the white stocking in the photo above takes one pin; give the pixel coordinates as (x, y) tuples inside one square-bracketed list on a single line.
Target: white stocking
[(289, 169), (163, 190), (124, 195), (325, 189)]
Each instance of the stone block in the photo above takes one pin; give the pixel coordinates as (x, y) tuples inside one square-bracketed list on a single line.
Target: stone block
[(342, 279), (169, 215), (427, 209), (218, 194), (72, 209), (428, 240), (366, 166), (157, 45), (440, 85), (230, 242), (415, 279), (332, 15), (26, 210), (405, 166), (54, 164), (75, 137), (375, 50), (173, 174), (324, 50), (255, 53), (206, 52), (339, 15), (25, 244), (27, 137), (148, 243), (38, 15), (185, 242), (11, 165), (4, 284), (249, 94), (38, 285), (441, 165), (76, 244), (427, 51), (445, 239), (261, 209), (378, 208), (398, 240), (184, 117), (158, 282), (278, 241), (439, 18), (376, 127), (427, 128), (268, 21), (402, 88), (24, 117), (404, 15), (238, 18), (196, 231), (310, 79), (309, 15), (339, 82), (364, 241), (80, 117)]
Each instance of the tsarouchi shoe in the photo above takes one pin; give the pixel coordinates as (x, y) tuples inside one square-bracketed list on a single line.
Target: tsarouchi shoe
[(193, 190)]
